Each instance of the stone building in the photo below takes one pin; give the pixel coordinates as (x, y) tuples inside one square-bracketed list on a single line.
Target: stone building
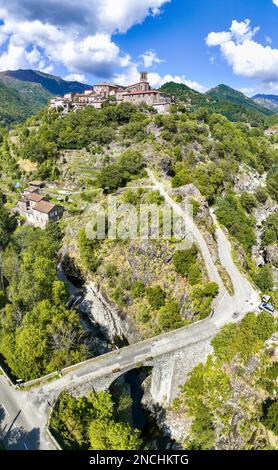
[(37, 210), (136, 94)]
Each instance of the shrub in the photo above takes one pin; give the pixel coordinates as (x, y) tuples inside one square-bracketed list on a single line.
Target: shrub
[(111, 271), (244, 339), (231, 214), (202, 297), (225, 344), (169, 317), (183, 260), (270, 417), (248, 201), (156, 297), (261, 195), (138, 289), (194, 275), (270, 226), (263, 277), (202, 429), (182, 178)]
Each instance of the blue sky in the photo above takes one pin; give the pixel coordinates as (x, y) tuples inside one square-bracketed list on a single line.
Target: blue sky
[(198, 42)]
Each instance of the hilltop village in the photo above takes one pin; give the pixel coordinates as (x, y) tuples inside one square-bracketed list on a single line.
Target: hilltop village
[(137, 93)]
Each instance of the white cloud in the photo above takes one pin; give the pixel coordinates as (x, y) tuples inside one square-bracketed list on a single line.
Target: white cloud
[(64, 32), (75, 77), (275, 2), (86, 16), (246, 56), (95, 54), (150, 58), (216, 39), (157, 81), (248, 91)]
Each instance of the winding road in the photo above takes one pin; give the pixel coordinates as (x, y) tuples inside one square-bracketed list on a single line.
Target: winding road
[(23, 415)]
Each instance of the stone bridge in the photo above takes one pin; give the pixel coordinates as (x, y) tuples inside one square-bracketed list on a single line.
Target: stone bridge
[(168, 373), (171, 357)]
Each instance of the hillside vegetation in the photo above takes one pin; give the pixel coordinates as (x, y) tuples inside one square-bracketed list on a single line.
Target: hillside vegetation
[(222, 99), (25, 92), (231, 400)]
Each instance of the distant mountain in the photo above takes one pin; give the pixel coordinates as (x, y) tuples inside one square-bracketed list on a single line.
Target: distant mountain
[(225, 93), (223, 100), (268, 101), (184, 93), (25, 92)]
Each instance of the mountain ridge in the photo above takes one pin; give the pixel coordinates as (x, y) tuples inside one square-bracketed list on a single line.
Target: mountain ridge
[(26, 92), (227, 93), (268, 101), (223, 100)]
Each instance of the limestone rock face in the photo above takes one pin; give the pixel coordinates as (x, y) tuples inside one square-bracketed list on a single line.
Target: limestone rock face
[(114, 324), (272, 255), (248, 180)]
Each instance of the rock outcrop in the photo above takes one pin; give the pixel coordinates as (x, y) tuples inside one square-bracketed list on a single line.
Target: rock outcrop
[(113, 323)]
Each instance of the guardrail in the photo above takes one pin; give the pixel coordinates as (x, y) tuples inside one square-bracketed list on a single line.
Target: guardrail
[(59, 373)]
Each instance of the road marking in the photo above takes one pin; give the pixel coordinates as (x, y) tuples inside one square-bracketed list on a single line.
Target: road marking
[(3, 406), (25, 445), (226, 293)]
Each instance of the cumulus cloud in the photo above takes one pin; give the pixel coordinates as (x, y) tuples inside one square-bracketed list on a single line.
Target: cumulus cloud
[(150, 58), (246, 56), (86, 16), (75, 77), (156, 81), (79, 36), (275, 2)]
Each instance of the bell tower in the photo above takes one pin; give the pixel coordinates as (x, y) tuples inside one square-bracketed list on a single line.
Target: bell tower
[(143, 76)]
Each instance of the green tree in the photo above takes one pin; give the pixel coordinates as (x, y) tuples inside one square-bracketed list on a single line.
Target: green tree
[(156, 297), (263, 277), (270, 418), (248, 201), (184, 259), (111, 435), (169, 317)]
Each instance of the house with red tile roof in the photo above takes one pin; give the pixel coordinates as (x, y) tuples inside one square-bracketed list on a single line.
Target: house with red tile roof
[(136, 94), (37, 210)]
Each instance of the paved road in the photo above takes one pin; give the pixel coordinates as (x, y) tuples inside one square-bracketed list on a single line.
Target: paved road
[(245, 297), (22, 427), (27, 428)]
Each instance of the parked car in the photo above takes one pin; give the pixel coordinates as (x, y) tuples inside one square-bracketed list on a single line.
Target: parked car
[(267, 307)]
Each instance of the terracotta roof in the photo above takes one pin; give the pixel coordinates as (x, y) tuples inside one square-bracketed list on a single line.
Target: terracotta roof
[(35, 197), (44, 206)]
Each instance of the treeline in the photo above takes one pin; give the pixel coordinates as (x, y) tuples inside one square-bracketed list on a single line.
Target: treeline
[(209, 151), (38, 335), (94, 422), (235, 112)]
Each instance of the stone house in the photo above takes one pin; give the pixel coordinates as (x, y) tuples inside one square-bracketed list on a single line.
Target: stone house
[(38, 211), (137, 93)]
